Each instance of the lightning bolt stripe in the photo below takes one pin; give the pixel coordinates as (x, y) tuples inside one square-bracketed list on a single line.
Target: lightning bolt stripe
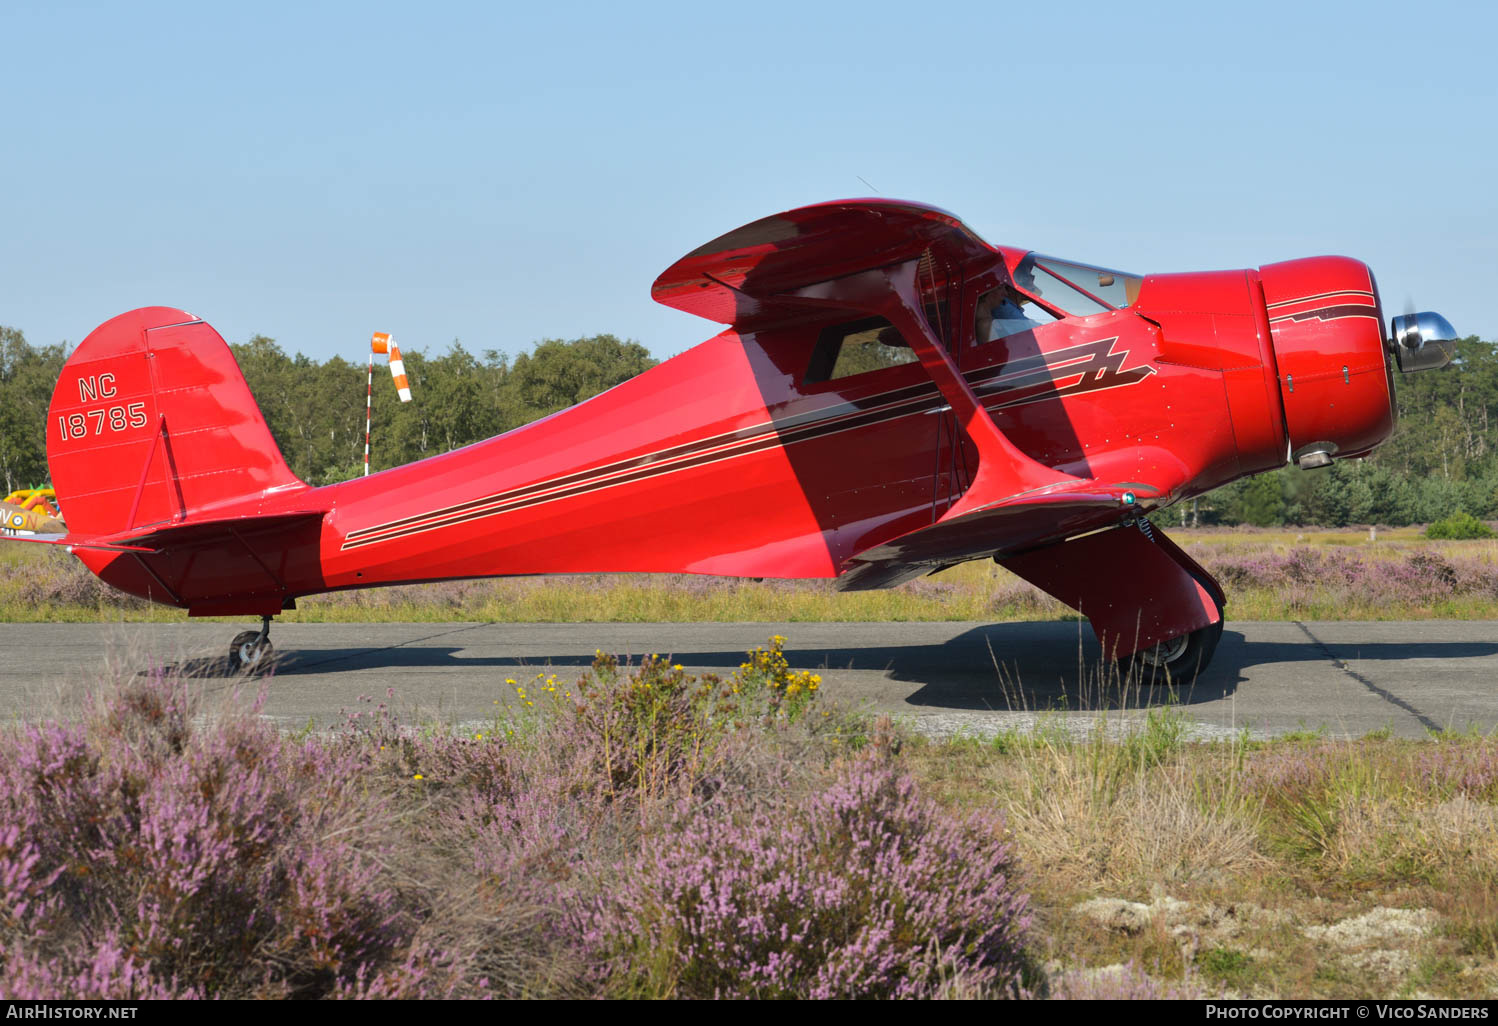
[(1329, 313)]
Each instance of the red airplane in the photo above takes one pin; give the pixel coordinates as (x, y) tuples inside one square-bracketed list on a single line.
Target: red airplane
[(892, 396)]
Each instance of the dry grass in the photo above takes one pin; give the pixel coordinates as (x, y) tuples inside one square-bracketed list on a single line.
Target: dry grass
[(1153, 828), (1289, 869)]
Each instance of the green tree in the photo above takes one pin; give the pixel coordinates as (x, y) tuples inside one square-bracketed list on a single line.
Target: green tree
[(27, 377), (558, 374), (467, 411), (1261, 502)]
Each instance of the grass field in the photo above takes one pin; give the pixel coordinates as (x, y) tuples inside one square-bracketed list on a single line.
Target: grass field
[(1268, 575)]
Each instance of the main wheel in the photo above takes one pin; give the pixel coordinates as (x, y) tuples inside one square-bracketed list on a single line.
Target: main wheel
[(1179, 660), (248, 652)]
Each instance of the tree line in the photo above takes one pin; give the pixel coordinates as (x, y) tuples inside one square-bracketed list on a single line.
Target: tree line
[(1442, 459), (315, 410)]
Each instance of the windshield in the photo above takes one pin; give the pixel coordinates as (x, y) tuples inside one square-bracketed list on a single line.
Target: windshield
[(1077, 289)]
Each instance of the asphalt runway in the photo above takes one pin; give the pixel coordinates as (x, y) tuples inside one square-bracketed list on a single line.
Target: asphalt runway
[(1346, 678)]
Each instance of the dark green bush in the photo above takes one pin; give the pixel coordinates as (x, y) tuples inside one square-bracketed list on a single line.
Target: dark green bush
[(1459, 526)]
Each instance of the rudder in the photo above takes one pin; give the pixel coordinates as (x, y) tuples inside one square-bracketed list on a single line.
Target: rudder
[(152, 422)]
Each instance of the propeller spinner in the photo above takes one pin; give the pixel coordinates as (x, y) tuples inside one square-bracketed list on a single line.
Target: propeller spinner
[(1421, 341)]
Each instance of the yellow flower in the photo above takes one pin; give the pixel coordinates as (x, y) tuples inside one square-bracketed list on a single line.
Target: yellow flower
[(418, 777)]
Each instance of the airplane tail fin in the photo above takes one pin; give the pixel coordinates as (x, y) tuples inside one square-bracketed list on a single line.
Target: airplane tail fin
[(152, 423)]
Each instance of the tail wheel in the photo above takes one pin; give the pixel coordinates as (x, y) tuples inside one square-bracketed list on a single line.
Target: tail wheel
[(249, 651)]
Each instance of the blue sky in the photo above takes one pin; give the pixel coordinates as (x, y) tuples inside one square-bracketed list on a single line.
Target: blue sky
[(498, 174)]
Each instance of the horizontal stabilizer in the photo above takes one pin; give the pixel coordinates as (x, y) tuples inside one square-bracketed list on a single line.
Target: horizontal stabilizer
[(224, 566), (192, 533), (72, 541), (188, 534)]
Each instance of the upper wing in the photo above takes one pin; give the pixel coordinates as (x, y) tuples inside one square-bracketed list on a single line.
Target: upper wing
[(876, 257), (745, 278)]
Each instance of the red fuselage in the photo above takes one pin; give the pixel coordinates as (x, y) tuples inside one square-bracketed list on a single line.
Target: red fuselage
[(731, 459)]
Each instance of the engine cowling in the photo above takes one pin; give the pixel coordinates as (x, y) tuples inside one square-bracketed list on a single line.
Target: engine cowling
[(1335, 375)]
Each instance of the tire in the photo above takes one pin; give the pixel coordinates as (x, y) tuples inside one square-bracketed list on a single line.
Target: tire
[(245, 656), (1179, 660)]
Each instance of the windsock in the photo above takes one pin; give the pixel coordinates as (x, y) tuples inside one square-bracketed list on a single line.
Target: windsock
[(383, 342)]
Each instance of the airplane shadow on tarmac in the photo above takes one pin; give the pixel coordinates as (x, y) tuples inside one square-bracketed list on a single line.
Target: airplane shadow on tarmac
[(1004, 667), (1040, 666)]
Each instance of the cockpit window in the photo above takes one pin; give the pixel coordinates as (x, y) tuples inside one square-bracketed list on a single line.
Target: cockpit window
[(1003, 312), (1077, 289), (869, 344), (844, 350)]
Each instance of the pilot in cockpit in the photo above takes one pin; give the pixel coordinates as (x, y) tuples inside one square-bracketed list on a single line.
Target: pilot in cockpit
[(1000, 314)]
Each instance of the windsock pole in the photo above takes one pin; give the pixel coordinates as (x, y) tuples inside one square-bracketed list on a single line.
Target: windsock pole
[(382, 342), (369, 400)]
